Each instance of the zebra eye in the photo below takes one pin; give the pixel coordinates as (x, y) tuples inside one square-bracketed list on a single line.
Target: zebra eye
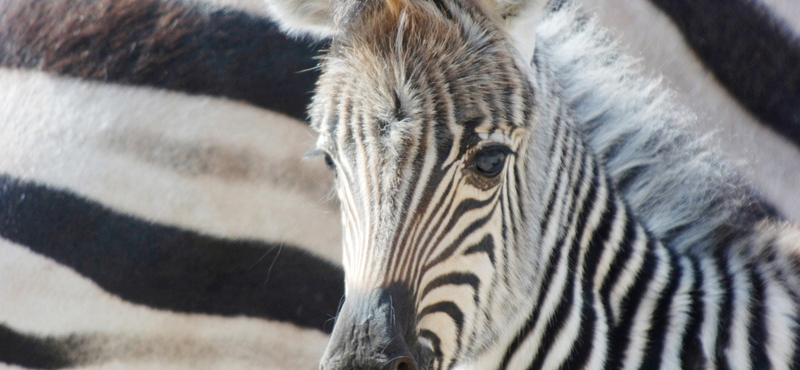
[(330, 163), (490, 161)]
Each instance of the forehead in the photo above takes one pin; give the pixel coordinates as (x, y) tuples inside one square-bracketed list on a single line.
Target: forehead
[(435, 62)]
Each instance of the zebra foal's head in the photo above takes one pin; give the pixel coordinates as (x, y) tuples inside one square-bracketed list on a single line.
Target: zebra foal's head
[(427, 116)]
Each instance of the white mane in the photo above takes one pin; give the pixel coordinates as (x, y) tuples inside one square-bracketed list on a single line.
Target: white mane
[(686, 194)]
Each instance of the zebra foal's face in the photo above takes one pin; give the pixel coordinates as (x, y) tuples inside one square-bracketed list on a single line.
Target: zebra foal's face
[(422, 112)]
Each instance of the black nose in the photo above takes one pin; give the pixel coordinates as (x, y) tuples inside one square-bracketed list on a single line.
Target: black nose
[(401, 363), (372, 332)]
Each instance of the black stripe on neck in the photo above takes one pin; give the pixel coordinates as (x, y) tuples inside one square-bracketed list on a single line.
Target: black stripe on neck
[(692, 356), (662, 317), (620, 335), (725, 315), (572, 287), (758, 322)]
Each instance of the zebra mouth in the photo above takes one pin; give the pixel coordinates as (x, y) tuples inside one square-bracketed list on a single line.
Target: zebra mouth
[(376, 330)]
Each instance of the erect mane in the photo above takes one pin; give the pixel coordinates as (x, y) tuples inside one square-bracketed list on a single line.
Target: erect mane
[(683, 192)]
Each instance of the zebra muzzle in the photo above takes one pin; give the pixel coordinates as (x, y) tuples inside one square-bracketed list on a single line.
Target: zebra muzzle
[(373, 332)]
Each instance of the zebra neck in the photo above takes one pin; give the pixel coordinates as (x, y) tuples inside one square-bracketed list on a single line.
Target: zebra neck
[(604, 293), (598, 268), (609, 295)]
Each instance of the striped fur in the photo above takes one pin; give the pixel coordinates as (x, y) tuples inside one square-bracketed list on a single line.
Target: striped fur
[(103, 331), (149, 220), (541, 265), (154, 225), (161, 43)]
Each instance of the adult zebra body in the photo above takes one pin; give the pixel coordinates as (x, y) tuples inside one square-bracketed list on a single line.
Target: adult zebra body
[(155, 211), (480, 229)]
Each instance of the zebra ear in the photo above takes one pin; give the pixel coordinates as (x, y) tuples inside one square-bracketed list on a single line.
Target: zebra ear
[(519, 19), (313, 18)]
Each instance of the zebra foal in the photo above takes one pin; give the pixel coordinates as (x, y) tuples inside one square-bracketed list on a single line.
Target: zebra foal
[(482, 232)]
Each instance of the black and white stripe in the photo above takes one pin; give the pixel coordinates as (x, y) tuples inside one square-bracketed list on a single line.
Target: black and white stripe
[(154, 212), (165, 44), (205, 51)]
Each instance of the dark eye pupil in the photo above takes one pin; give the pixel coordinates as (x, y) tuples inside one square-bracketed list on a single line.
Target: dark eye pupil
[(490, 162), (329, 162)]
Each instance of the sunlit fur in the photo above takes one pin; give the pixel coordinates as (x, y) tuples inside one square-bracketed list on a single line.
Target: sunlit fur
[(543, 266), (685, 193)]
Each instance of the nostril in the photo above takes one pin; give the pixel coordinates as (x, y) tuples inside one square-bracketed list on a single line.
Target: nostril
[(404, 363)]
